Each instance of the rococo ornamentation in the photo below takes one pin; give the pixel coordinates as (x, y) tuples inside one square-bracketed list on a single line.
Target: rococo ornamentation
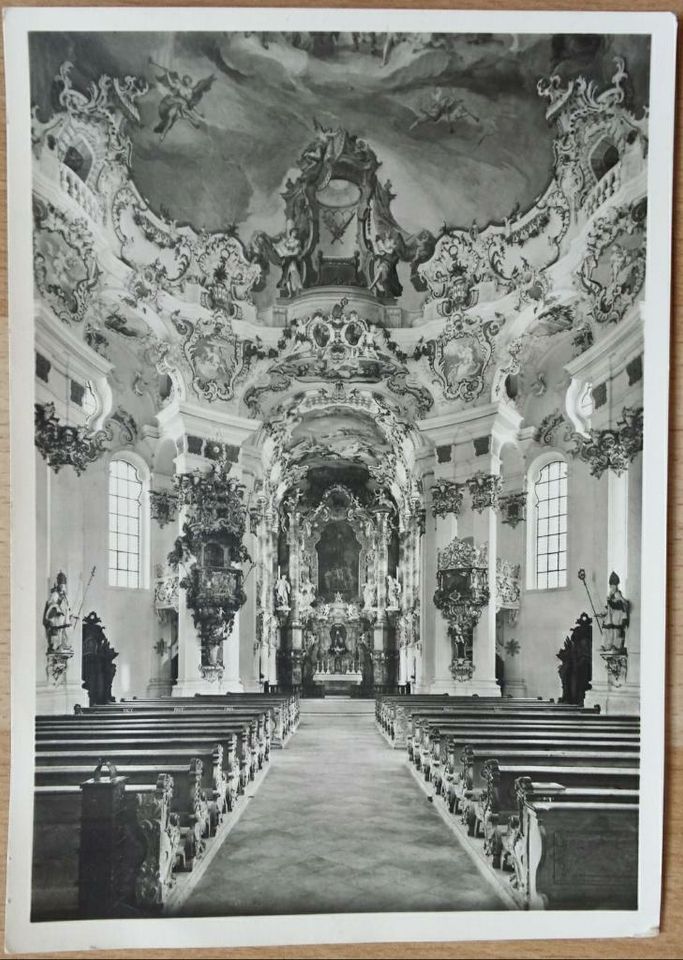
[(62, 445), (461, 595), (163, 506), (616, 664), (512, 507), (447, 497), (64, 264), (460, 356), (211, 550), (613, 448), (485, 490)]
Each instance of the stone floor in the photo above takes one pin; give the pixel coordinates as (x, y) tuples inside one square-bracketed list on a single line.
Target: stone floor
[(339, 826)]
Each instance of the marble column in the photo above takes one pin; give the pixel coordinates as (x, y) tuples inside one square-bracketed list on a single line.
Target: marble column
[(381, 629), (484, 531)]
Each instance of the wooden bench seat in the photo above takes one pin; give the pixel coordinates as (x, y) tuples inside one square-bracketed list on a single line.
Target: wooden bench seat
[(240, 744), (499, 809), (436, 738), (471, 786), (439, 771), (569, 855)]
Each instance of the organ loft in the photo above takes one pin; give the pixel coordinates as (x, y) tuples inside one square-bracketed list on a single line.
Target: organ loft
[(374, 438)]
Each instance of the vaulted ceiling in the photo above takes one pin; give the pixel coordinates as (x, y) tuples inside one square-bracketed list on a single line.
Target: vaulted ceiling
[(455, 120)]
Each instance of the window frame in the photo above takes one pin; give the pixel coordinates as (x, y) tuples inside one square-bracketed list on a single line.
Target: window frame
[(143, 476), (532, 554)]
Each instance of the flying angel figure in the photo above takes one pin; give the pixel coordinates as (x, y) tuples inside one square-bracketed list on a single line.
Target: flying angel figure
[(181, 101), (443, 108)]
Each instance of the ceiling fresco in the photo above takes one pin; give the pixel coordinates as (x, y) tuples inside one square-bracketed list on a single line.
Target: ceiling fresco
[(341, 237), (455, 120)]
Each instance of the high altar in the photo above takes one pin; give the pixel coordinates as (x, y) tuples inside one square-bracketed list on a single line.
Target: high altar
[(338, 609)]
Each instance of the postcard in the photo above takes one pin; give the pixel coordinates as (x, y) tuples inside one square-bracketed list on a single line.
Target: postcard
[(339, 387)]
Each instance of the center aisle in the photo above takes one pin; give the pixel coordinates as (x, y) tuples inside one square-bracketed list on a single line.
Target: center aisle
[(339, 826)]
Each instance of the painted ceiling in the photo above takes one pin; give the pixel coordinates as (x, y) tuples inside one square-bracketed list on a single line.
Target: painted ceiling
[(456, 121)]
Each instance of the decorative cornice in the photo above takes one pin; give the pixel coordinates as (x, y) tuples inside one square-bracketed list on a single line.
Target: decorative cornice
[(611, 354)]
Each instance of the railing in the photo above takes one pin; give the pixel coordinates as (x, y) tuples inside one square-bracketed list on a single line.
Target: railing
[(74, 187), (602, 191)]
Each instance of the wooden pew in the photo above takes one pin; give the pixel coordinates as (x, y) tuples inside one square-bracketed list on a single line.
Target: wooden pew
[(285, 709), (504, 829), (447, 773), (147, 840), (471, 787), (190, 760), (499, 809), (419, 745), (245, 752), (264, 723), (575, 854)]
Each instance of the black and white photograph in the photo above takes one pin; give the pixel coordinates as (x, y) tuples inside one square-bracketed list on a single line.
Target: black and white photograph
[(339, 409)]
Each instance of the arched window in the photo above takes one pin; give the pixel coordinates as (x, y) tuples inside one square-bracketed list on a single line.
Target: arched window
[(547, 529), (125, 525)]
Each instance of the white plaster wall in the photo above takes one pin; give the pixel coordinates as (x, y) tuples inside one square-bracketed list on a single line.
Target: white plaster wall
[(547, 616), (77, 541)]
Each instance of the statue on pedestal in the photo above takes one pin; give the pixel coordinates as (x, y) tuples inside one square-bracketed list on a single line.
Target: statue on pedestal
[(57, 617), (282, 591), (616, 617), (369, 595), (306, 594), (393, 593)]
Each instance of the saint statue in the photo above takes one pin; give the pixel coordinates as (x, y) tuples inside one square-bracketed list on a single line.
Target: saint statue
[(616, 617), (282, 591), (393, 593), (369, 595), (290, 250), (306, 594), (57, 618)]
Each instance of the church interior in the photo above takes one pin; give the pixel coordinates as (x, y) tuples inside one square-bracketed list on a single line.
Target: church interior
[(338, 430)]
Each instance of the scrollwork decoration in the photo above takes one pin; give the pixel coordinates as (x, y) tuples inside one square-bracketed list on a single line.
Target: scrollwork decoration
[(485, 490), (613, 448), (447, 497), (163, 506), (512, 508), (63, 445)]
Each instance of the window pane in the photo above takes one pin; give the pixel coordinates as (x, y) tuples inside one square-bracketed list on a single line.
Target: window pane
[(551, 525), (125, 494)]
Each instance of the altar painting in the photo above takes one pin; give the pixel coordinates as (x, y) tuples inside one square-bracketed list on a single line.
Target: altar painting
[(338, 562)]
